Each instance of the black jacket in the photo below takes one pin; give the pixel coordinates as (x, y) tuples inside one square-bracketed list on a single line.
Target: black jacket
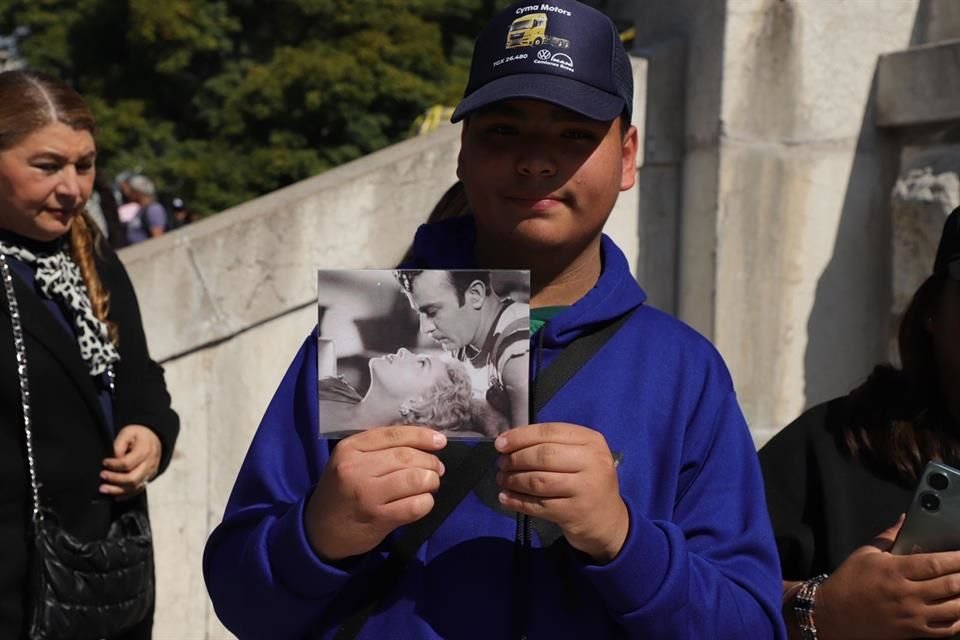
[(71, 436), (823, 502)]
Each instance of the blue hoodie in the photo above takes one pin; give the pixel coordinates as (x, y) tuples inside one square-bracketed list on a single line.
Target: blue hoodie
[(699, 560)]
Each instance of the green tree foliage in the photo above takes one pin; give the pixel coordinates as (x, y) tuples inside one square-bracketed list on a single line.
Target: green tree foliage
[(224, 100)]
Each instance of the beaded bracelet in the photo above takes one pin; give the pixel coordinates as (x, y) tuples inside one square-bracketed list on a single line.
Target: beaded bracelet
[(803, 606)]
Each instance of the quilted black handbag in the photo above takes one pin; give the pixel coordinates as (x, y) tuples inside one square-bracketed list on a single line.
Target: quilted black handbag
[(93, 589), (80, 590)]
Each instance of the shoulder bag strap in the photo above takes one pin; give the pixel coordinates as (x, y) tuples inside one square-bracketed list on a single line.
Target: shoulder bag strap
[(575, 355), (21, 351)]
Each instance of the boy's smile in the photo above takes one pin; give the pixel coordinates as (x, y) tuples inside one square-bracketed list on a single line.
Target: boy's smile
[(539, 176)]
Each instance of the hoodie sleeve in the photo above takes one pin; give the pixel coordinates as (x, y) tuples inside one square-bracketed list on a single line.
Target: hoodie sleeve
[(263, 576), (710, 571)]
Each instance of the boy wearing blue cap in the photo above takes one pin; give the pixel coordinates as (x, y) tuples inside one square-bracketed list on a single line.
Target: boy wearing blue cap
[(631, 507)]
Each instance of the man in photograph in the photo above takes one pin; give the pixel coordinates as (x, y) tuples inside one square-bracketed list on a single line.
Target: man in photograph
[(461, 312)]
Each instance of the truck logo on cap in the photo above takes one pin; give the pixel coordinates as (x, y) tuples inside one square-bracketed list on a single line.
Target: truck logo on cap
[(530, 30)]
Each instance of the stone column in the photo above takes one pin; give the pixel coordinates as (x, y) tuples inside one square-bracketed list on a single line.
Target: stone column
[(918, 100), (926, 192)]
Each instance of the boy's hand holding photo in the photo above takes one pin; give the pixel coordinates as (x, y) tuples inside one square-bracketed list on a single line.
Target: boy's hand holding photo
[(566, 474), (376, 481)]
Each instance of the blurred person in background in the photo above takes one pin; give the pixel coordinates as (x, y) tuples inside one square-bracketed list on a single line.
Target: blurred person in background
[(102, 208), (151, 218), (181, 215), (127, 208)]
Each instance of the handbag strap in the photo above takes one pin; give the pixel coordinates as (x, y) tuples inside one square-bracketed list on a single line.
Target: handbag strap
[(21, 352), (469, 466)]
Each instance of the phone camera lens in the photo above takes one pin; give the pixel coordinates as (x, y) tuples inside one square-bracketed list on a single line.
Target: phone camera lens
[(938, 481), (930, 502)]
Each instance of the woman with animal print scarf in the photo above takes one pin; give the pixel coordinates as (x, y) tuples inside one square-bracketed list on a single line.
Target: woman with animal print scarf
[(85, 421)]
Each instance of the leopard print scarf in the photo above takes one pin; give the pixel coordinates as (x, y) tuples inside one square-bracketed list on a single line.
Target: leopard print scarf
[(59, 278)]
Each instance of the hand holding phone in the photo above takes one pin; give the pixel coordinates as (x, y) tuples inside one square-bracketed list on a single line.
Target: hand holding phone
[(875, 595)]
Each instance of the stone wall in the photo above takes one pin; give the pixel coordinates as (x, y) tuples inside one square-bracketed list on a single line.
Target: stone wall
[(684, 43), (803, 230), (784, 256)]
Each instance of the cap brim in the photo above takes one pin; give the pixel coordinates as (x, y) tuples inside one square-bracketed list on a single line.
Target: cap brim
[(564, 92)]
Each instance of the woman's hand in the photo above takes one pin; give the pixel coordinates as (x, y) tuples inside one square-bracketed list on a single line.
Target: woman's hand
[(137, 449), (874, 594)]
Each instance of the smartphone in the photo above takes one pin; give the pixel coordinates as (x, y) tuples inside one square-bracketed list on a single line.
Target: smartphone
[(933, 520)]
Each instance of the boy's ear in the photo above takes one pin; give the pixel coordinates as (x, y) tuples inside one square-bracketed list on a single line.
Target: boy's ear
[(628, 171)]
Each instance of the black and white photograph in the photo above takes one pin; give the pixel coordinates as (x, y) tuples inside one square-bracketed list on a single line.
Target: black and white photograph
[(443, 349)]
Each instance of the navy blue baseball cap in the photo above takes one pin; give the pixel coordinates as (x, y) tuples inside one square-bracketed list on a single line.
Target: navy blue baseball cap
[(562, 52), (948, 253)]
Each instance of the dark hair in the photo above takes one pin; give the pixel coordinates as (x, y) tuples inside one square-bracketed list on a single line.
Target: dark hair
[(29, 101), (897, 419), (461, 281), (625, 125)]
